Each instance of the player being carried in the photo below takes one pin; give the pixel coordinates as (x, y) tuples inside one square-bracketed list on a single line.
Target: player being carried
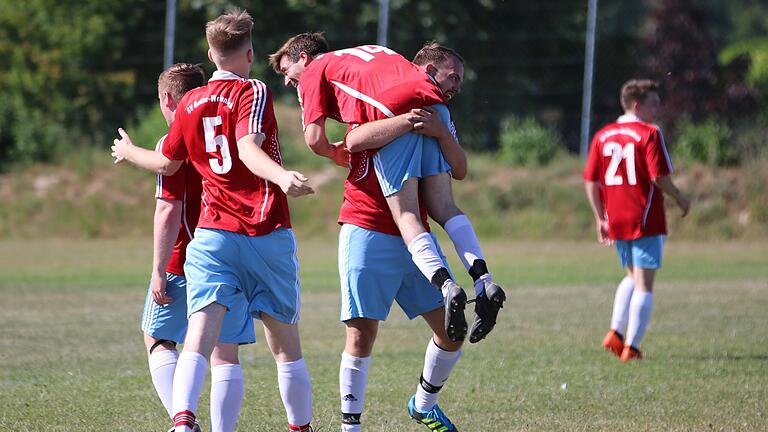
[(244, 252), (369, 83), (627, 170)]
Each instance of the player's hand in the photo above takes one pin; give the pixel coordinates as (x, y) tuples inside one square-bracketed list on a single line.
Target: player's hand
[(684, 204), (294, 184), (602, 233), (122, 146), (158, 285), (429, 122), (340, 155)]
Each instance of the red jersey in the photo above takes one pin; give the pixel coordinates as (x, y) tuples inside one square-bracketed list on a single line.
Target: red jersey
[(362, 84), (624, 158), (209, 122), (185, 186)]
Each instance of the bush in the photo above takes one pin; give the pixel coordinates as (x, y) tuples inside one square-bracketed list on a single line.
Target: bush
[(525, 142), (709, 142)]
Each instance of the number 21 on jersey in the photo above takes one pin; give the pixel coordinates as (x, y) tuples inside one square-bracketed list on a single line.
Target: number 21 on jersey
[(619, 154), (214, 142)]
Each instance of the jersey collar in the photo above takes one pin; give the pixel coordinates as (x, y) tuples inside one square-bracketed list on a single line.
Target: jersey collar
[(220, 75), (628, 118)]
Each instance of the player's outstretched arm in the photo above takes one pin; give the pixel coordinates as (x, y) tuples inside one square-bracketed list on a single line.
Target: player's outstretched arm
[(666, 184), (596, 202), (314, 136), (293, 183), (379, 133), (123, 149), (166, 230), (433, 125)]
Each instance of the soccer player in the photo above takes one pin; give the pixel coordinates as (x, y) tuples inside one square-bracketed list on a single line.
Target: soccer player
[(369, 83), (627, 170), (376, 269), (164, 320), (243, 252)]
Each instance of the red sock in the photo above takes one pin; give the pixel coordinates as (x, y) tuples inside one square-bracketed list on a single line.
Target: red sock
[(305, 428)]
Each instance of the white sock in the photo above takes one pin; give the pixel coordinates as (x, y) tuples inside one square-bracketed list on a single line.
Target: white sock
[(438, 365), (227, 389), (353, 379), (188, 382), (424, 254), (464, 239), (296, 391), (640, 309), (621, 305), (162, 366)]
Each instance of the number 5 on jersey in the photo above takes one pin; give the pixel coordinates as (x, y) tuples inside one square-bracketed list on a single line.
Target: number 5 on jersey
[(617, 154), (214, 142)]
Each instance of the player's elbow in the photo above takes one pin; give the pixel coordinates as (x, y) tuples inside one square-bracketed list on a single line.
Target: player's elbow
[(354, 145), (459, 174)]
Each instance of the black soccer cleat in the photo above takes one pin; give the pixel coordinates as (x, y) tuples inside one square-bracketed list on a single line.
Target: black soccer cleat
[(487, 305), (455, 303)]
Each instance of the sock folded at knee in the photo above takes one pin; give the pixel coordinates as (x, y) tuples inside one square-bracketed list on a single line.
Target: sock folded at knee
[(295, 391), (162, 366), (438, 364), (227, 390)]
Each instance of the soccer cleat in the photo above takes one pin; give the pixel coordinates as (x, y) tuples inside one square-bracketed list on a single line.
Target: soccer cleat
[(455, 303), (630, 353), (197, 428), (487, 305), (614, 342), (434, 419)]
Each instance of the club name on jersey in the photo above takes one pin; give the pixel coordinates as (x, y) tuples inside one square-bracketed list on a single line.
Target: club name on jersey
[(620, 131), (210, 98)]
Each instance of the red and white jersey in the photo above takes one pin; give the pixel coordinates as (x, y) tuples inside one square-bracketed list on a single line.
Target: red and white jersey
[(362, 84), (624, 158), (185, 186), (364, 204), (209, 121)]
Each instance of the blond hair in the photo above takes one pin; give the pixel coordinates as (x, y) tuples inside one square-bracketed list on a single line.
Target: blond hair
[(180, 78), (636, 90), (230, 32)]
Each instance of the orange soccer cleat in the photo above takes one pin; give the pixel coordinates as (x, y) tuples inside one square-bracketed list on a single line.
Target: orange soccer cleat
[(630, 353), (613, 342)]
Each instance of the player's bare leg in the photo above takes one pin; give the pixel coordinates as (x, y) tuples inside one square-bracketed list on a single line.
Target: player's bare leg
[(640, 309), (404, 206), (202, 333), (438, 197), (441, 356), (353, 371), (292, 374)]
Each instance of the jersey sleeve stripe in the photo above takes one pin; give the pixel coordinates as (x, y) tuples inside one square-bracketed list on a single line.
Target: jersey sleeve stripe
[(664, 148), (257, 107), (159, 180), (363, 97)]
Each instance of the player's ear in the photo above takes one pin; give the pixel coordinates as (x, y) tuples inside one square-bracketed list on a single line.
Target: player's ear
[(210, 55), (168, 101), (431, 70), (304, 57), (249, 54)]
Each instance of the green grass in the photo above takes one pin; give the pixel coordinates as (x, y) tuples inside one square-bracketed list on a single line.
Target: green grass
[(71, 356)]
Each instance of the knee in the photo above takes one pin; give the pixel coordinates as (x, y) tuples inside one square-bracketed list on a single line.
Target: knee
[(445, 344), (360, 341)]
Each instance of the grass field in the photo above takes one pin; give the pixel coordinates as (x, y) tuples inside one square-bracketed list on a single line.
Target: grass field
[(71, 356)]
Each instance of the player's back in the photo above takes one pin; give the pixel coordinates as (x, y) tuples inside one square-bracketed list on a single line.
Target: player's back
[(368, 82), (625, 158), (209, 122)]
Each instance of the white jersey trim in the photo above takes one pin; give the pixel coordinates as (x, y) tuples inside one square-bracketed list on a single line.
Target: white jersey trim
[(648, 206), (257, 108), (364, 97)]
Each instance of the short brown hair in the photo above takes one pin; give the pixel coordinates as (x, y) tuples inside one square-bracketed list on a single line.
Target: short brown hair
[(180, 78), (433, 52), (636, 90), (310, 43), (229, 32)]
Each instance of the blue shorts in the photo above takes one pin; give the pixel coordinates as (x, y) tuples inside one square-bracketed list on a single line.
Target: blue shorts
[(257, 273), (375, 269), (645, 252), (169, 322), (411, 155)]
